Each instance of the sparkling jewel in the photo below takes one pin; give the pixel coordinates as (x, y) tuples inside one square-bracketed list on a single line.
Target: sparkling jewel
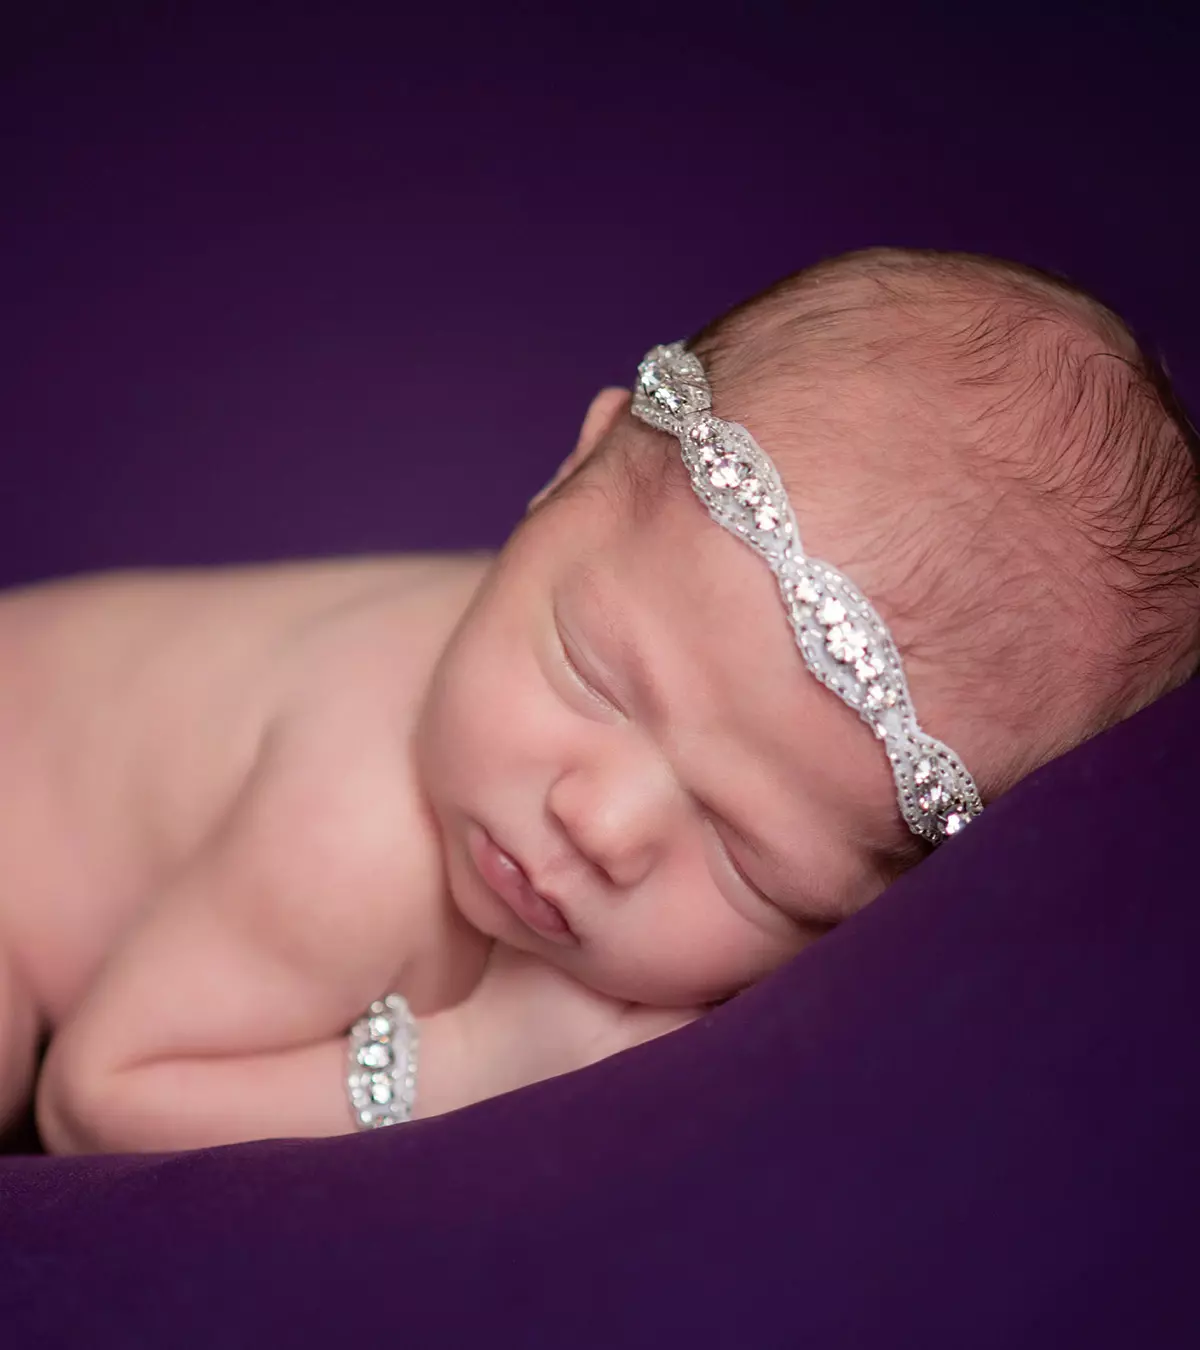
[(668, 398), (725, 473), (832, 611), (845, 642), (933, 798), (374, 1056), (650, 379), (923, 771), (766, 517), (750, 491), (875, 695), (954, 822), (381, 1090), (806, 592), (866, 670)]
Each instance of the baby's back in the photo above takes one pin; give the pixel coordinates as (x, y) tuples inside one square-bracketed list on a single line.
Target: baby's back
[(132, 706)]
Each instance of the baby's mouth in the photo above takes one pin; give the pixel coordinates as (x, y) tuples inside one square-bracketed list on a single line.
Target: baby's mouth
[(507, 879)]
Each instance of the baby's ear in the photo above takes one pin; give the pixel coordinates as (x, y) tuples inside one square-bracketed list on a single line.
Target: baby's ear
[(602, 413)]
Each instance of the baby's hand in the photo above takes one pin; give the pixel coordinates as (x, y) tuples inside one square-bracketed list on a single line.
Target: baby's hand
[(526, 1020)]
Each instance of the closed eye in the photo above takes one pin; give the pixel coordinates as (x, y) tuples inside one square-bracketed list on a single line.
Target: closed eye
[(732, 863), (749, 885), (577, 674)]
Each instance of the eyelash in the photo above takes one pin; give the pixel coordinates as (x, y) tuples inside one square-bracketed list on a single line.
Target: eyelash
[(580, 678), (730, 861)]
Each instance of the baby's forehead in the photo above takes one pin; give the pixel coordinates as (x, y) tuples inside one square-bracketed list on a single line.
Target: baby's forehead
[(661, 546)]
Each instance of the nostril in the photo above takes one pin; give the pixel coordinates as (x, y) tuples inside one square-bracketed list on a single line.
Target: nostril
[(605, 872), (618, 864), (579, 850), (613, 821), (584, 848)]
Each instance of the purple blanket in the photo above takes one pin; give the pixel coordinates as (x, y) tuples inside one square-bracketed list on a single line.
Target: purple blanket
[(967, 1118)]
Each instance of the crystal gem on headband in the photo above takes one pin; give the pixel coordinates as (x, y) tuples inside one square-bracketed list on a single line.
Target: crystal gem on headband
[(845, 644)]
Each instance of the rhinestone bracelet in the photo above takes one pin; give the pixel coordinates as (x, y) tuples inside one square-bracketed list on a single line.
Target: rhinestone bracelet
[(381, 1073)]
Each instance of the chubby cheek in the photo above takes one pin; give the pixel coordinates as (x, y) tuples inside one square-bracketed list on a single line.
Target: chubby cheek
[(487, 726), (685, 946), (688, 974)]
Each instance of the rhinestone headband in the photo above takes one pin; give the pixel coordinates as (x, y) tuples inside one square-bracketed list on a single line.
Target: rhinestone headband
[(844, 642)]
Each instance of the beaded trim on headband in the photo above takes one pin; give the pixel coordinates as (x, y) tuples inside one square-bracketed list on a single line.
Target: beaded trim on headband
[(844, 642)]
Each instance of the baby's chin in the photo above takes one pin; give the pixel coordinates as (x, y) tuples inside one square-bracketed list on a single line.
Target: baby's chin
[(647, 987)]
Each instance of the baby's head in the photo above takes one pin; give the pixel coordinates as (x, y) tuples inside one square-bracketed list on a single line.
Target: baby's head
[(991, 460)]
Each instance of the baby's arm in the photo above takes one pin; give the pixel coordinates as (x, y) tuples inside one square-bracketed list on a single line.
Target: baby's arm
[(221, 1016)]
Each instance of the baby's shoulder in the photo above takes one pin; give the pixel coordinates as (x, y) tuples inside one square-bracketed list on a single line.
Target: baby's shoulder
[(132, 704), (379, 637), (346, 676), (343, 834), (135, 705), (264, 630)]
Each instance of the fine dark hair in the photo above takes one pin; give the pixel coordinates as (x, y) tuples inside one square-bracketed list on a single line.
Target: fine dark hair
[(1056, 459)]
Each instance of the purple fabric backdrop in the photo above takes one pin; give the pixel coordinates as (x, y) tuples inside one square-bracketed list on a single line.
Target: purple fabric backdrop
[(279, 284)]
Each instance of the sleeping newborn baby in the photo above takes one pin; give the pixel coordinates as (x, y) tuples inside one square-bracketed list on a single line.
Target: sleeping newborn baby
[(852, 562)]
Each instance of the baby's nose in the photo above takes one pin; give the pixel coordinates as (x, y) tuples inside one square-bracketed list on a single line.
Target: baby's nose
[(618, 818)]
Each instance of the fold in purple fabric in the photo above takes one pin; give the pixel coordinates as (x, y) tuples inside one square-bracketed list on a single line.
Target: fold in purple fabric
[(966, 1118)]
